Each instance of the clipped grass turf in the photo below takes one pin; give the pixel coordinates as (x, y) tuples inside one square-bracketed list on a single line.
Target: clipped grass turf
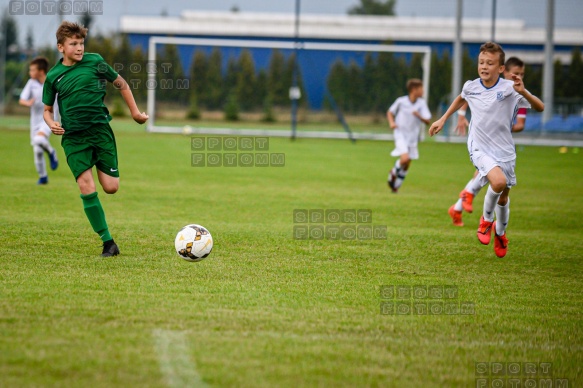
[(266, 309)]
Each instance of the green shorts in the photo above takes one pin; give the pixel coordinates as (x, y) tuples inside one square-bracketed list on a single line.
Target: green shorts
[(92, 147)]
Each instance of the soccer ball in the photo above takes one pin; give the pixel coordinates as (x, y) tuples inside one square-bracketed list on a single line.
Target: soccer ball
[(193, 242), (187, 130)]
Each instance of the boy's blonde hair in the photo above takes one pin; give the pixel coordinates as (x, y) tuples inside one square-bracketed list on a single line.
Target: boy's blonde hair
[(413, 83), (70, 30), (491, 47)]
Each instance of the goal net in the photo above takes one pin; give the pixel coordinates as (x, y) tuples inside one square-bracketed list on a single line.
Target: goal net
[(278, 88)]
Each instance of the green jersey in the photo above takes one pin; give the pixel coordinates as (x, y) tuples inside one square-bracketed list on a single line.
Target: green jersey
[(81, 90)]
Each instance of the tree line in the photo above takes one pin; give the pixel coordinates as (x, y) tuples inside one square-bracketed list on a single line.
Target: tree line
[(373, 86)]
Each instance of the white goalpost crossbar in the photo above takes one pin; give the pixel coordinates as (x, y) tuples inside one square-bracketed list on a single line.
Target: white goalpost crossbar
[(322, 46)]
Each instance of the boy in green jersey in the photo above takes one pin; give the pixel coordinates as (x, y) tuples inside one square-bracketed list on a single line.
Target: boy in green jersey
[(79, 80)]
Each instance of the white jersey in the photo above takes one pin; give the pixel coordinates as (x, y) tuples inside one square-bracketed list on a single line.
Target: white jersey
[(407, 123), (493, 112), (34, 89)]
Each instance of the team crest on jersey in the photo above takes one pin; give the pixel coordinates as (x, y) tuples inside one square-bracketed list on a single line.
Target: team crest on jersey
[(500, 96)]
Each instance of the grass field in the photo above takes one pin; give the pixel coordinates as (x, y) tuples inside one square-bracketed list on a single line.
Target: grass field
[(265, 309)]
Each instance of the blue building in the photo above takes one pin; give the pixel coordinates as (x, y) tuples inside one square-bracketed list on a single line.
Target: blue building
[(437, 33)]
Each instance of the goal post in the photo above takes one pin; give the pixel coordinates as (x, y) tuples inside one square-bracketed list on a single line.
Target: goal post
[(298, 47)]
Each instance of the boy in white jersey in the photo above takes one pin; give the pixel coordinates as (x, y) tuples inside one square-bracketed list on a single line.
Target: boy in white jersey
[(494, 102), (513, 65), (404, 117), (31, 97)]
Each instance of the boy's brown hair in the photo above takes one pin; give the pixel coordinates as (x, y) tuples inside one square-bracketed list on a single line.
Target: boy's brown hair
[(491, 47), (70, 30), (413, 83), (512, 62), (41, 64)]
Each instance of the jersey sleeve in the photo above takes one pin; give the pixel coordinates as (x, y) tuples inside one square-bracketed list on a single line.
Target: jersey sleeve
[(48, 93), (26, 93), (464, 92), (522, 102), (105, 70), (395, 107), (424, 111)]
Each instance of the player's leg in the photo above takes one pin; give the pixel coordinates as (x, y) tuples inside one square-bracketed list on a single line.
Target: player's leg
[(502, 217), (41, 139), (411, 153), (40, 164), (81, 159), (469, 192), (109, 183), (85, 182), (503, 210), (95, 214), (404, 164), (475, 185), (107, 163), (497, 181), (489, 169), (107, 172), (464, 202), (400, 149), (92, 205), (455, 210)]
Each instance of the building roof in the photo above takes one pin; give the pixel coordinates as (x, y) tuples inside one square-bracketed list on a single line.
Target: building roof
[(345, 27)]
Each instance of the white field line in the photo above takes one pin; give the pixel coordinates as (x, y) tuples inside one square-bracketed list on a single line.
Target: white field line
[(174, 357)]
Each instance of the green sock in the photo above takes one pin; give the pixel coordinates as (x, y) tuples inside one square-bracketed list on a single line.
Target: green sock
[(96, 216)]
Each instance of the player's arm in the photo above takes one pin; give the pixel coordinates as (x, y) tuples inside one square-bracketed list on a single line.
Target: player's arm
[(27, 103), (49, 115), (391, 118), (519, 125), (424, 120), (462, 122), (437, 126), (534, 101), (126, 93), (26, 98)]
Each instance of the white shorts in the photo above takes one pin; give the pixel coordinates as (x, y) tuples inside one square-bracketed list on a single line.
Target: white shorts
[(405, 145), (484, 163), (42, 129)]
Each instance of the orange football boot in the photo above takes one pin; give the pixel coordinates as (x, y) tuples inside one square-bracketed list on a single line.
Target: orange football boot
[(467, 199), (484, 231), (456, 216), (500, 243)]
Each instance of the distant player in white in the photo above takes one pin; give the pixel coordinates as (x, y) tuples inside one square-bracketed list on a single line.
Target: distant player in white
[(31, 97), (405, 117), (494, 102), (513, 65)]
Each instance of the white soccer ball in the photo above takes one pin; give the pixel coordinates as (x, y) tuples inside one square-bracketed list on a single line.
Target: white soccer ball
[(187, 130), (193, 242)]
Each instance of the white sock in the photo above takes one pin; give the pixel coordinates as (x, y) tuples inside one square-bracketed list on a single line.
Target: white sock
[(476, 185), (39, 161), (469, 185), (401, 174), (395, 170), (398, 165), (490, 201), (458, 205), (42, 142), (502, 217)]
